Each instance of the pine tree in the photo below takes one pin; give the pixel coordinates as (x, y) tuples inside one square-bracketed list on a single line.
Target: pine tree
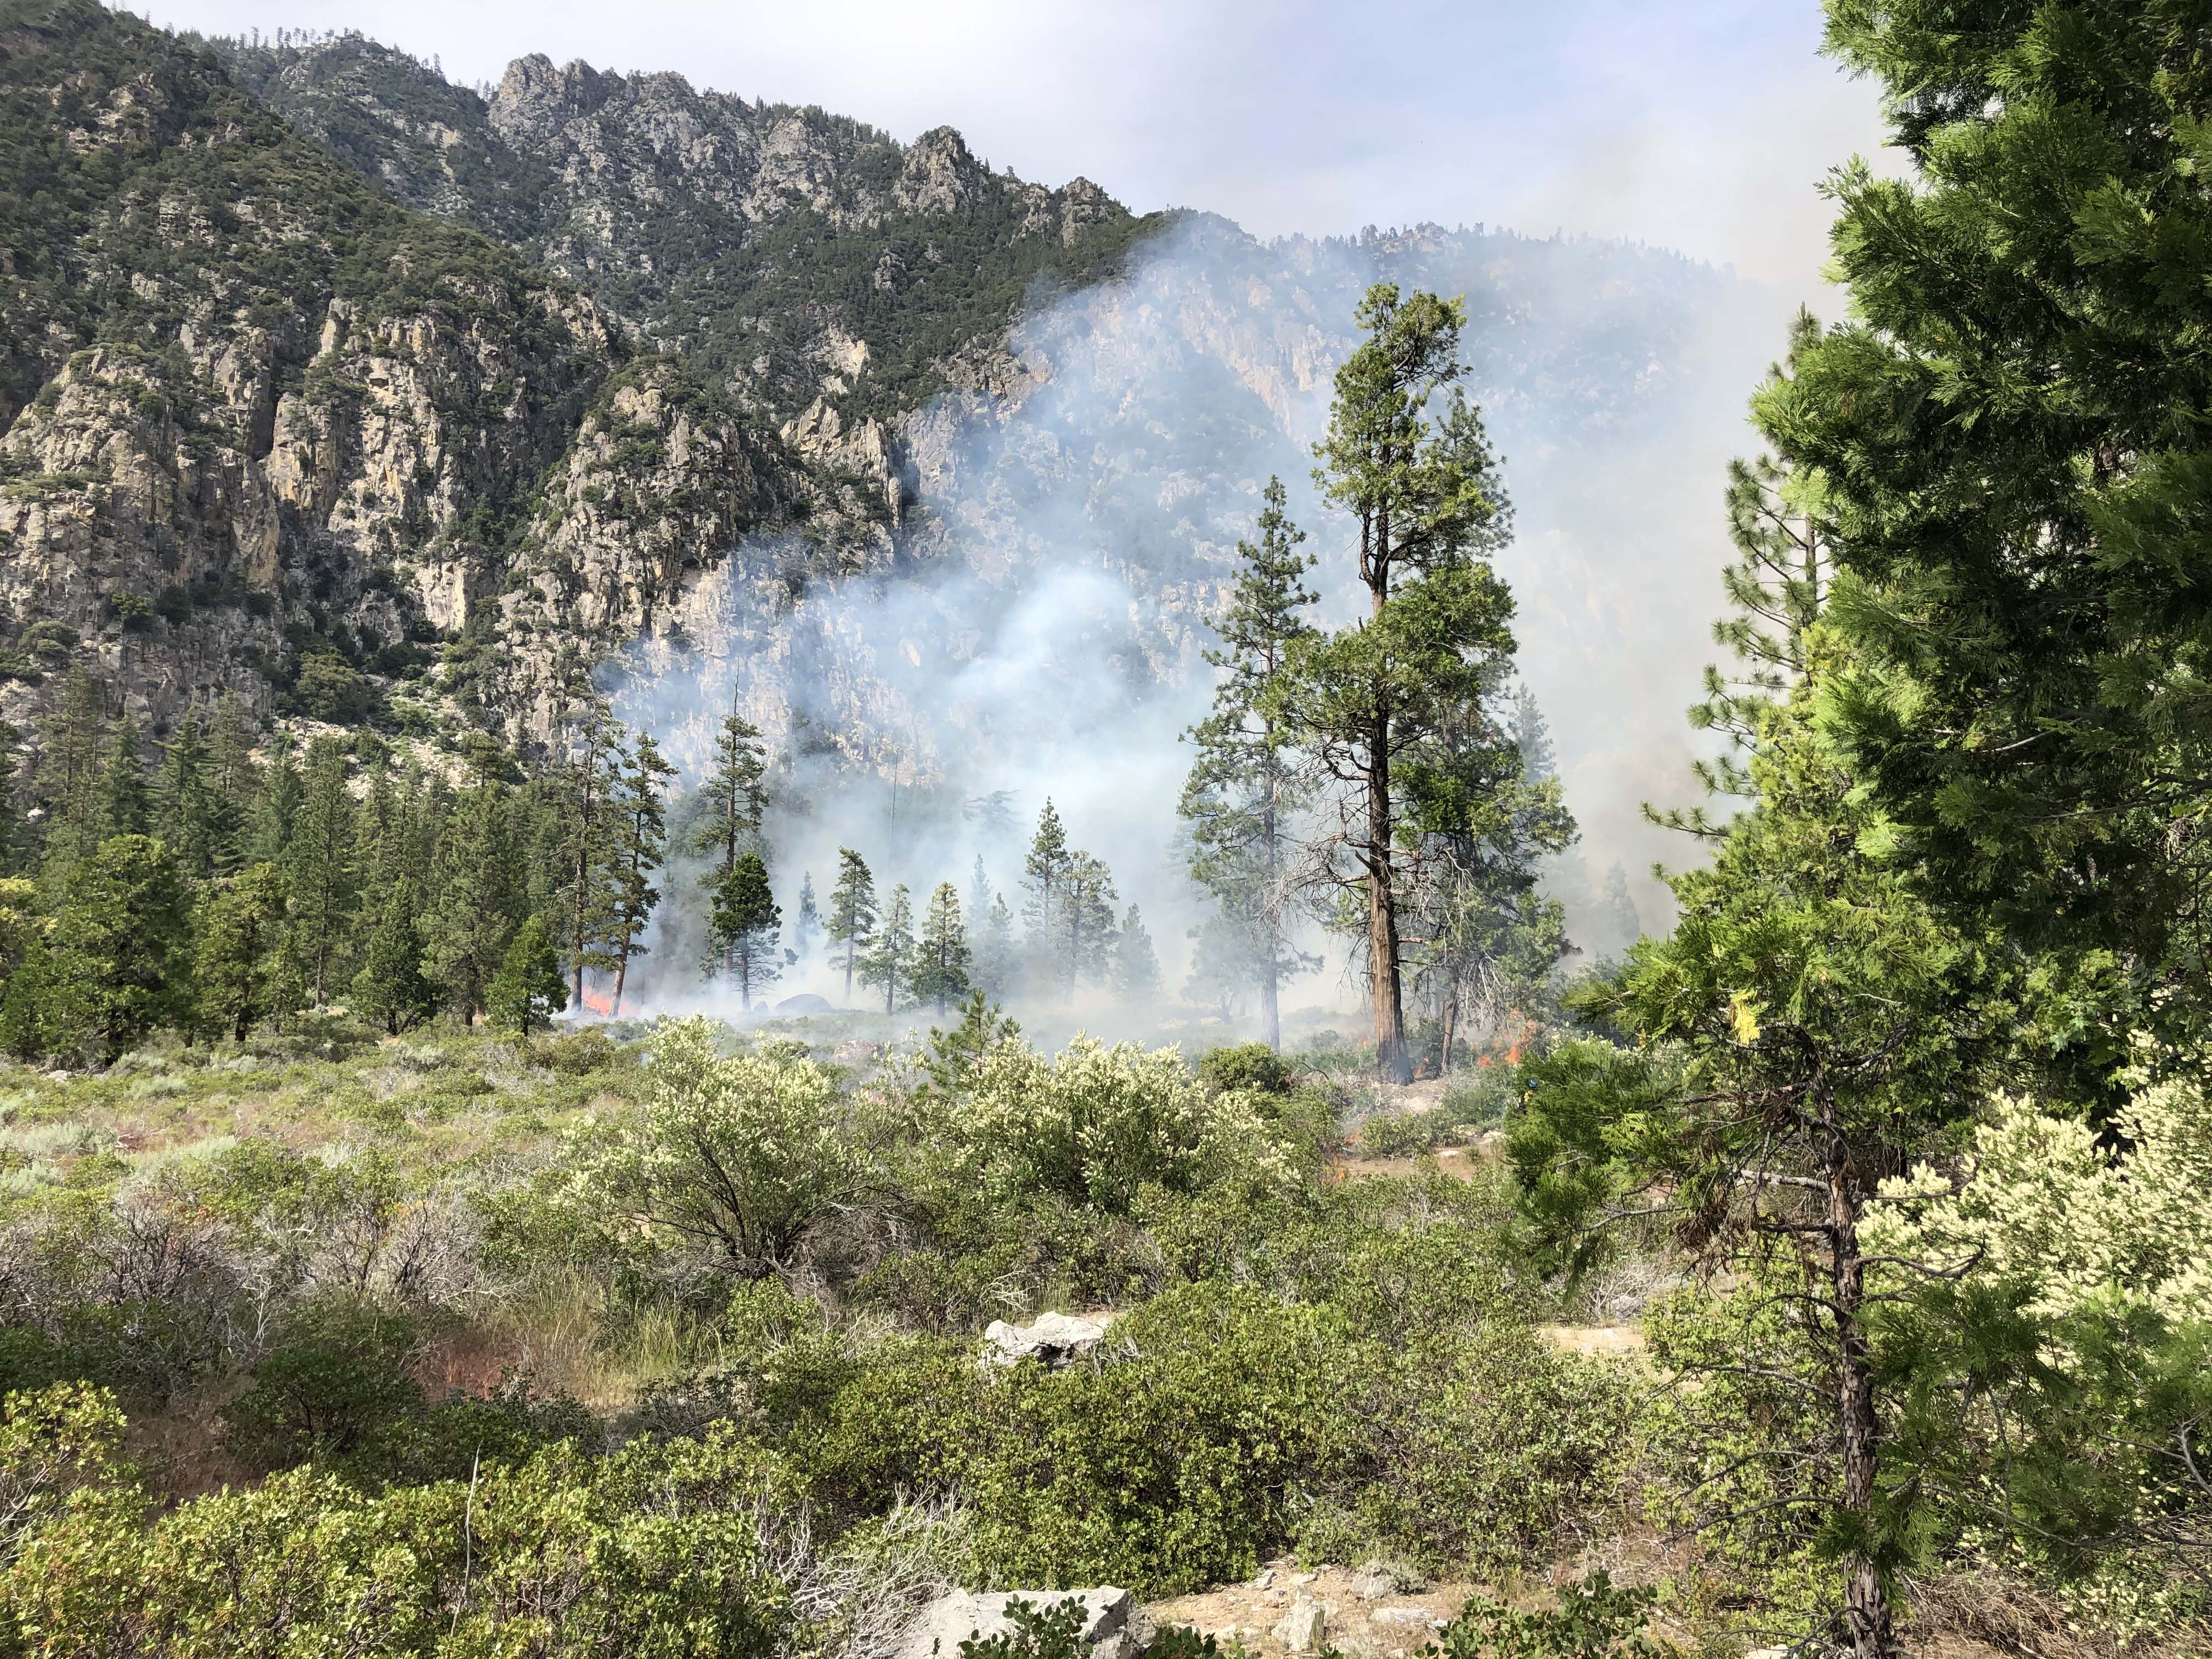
[(1531, 738), (320, 874), (642, 817), (979, 890), (379, 834), (123, 807), (529, 988), (186, 802), (426, 803), (243, 938), (939, 973), (32, 1025), (995, 959), (1136, 965), (1478, 935), (743, 929), (276, 805), (480, 888), (234, 781), (1424, 500), (585, 786), (68, 773), (806, 925), (1617, 912), (1244, 786), (737, 794), (392, 986), (122, 957), (1084, 939), (1044, 874), (11, 823), (991, 816), (890, 956), (852, 928)]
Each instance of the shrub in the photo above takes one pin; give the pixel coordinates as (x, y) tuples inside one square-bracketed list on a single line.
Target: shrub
[(1096, 1125), (1399, 1135), (1594, 1620), (656, 1550), (337, 1375), (1252, 1066), (54, 1442), (328, 689), (740, 1154)]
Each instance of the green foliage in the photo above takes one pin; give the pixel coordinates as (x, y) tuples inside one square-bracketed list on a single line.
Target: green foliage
[(739, 1155), (1245, 786), (529, 988), (121, 961), (1252, 1067), (336, 1374), (244, 950), (938, 974), (742, 929), (1392, 713), (561, 1556), (1047, 1632), (1594, 1619), (851, 928), (1096, 1125), (390, 985)]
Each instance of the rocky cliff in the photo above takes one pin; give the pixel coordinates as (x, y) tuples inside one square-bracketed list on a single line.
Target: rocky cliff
[(370, 394), (353, 391)]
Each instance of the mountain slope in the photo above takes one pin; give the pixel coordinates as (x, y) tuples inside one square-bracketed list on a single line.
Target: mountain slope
[(793, 252), (274, 425)]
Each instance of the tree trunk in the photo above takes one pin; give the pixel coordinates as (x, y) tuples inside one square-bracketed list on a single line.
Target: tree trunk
[(622, 974), (1390, 1062), (1866, 1610), (1270, 1016), (851, 949), (1451, 1025)]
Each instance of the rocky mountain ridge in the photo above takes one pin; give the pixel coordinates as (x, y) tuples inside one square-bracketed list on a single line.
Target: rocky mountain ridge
[(463, 394), (274, 427)]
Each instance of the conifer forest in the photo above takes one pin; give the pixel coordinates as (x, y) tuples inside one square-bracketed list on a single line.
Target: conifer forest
[(761, 893)]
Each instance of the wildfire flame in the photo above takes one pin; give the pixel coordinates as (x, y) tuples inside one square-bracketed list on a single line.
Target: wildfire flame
[(601, 1003)]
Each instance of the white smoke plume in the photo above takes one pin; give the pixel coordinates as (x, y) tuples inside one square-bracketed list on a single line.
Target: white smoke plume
[(1078, 510)]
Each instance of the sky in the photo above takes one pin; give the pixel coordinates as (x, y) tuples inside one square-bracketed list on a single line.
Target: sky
[(1704, 125)]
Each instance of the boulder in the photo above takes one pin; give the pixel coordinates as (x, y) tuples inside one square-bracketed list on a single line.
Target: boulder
[(805, 1002), (1304, 1625), (1058, 1339), (1115, 1626)]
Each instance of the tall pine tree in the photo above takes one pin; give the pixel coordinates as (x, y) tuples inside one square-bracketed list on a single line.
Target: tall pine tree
[(1421, 493), (641, 820), (851, 926), (938, 975), (889, 962), (319, 868), (1244, 785)]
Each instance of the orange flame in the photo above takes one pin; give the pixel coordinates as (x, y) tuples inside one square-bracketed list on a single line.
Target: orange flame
[(601, 1003)]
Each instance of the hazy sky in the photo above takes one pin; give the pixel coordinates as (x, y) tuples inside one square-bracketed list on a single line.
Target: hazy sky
[(1700, 124)]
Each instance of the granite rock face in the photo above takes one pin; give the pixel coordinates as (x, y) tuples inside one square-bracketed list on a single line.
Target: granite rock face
[(1113, 1628)]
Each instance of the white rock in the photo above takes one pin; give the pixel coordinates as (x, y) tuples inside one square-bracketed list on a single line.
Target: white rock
[(1404, 1616), (1302, 1626), (1056, 1339), (1115, 1627)]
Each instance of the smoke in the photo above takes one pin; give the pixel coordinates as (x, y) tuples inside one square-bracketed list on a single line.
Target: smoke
[(1042, 628)]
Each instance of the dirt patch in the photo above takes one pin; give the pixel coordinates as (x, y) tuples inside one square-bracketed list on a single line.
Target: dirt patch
[(1386, 1625), (1461, 1163), (1611, 1341)]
